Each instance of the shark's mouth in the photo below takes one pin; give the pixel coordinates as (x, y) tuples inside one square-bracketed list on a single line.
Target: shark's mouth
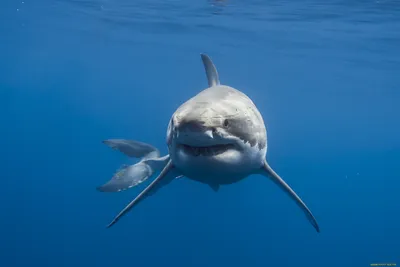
[(206, 150)]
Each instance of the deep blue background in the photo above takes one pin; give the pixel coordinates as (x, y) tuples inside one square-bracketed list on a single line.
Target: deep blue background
[(325, 75)]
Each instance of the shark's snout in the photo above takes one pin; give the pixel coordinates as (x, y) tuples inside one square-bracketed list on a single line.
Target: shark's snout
[(191, 126), (193, 131)]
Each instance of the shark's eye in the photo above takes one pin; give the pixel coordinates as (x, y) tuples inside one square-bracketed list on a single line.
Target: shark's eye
[(226, 123)]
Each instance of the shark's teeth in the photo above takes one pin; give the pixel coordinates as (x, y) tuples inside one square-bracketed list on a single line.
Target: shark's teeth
[(208, 150)]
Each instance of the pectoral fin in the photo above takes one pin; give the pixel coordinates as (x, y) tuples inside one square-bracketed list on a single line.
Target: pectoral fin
[(166, 175), (268, 171)]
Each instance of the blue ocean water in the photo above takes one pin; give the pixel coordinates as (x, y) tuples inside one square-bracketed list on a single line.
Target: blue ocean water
[(324, 74)]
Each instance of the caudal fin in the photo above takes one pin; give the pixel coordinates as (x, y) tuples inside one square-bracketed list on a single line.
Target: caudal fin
[(135, 174), (134, 149), (127, 177), (132, 175)]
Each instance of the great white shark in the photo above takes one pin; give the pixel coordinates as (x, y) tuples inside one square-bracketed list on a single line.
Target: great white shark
[(217, 137)]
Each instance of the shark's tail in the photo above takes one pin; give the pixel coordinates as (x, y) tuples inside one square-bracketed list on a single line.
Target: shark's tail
[(131, 175)]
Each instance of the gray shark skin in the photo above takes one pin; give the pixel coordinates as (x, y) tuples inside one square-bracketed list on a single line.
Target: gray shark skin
[(218, 137)]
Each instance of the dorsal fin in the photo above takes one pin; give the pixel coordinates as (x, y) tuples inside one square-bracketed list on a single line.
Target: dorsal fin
[(211, 71)]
